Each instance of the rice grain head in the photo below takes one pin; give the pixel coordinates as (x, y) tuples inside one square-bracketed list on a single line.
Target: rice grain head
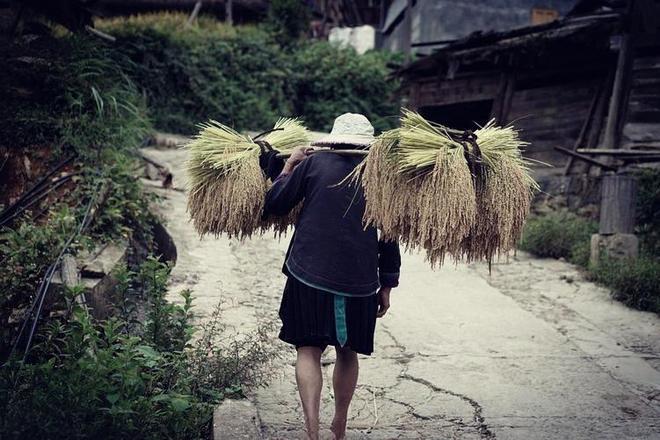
[(226, 185), (419, 189), (447, 205), (230, 203), (504, 199)]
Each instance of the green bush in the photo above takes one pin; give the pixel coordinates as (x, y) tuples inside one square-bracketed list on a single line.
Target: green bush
[(242, 76), (328, 81), (139, 375), (559, 235), (71, 97), (103, 380), (633, 282), (25, 253), (192, 76)]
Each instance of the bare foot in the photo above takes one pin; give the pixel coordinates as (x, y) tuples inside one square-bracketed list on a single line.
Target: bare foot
[(338, 429), (311, 434)]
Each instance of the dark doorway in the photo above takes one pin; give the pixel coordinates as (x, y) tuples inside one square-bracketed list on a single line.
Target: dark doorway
[(460, 116)]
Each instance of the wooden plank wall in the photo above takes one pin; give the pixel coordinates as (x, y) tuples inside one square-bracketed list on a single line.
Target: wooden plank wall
[(552, 115), (435, 91), (550, 112), (642, 124)]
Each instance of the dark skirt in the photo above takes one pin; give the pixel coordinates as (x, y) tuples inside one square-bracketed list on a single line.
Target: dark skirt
[(309, 319)]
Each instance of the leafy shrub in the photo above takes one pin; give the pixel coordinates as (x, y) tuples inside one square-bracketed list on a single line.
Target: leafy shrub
[(218, 362), (123, 209), (100, 380), (634, 282), (106, 110), (98, 383), (329, 80), (559, 235), (26, 252), (648, 207), (79, 101), (167, 327), (240, 75), (189, 78)]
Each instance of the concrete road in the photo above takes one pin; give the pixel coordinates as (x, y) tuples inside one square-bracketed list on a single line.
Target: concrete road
[(532, 351)]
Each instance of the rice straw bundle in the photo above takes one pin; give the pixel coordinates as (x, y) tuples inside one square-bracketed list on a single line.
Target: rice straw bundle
[(504, 198), (444, 204), (424, 186), (384, 187), (226, 184)]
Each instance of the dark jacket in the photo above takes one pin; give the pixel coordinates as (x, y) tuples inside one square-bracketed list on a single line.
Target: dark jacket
[(331, 250)]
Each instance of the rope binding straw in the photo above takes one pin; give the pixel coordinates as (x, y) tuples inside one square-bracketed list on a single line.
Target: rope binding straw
[(473, 157)]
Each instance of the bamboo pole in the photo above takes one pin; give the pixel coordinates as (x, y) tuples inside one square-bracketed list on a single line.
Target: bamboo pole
[(362, 153)]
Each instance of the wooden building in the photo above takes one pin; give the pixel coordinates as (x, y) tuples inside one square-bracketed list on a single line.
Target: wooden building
[(586, 82), (420, 26)]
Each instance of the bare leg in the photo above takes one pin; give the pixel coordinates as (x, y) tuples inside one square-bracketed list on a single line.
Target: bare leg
[(344, 380), (310, 382)]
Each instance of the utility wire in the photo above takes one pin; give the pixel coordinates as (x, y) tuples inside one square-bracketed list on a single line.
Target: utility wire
[(39, 298)]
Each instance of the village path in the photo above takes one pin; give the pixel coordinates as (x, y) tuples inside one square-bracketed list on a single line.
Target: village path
[(532, 351)]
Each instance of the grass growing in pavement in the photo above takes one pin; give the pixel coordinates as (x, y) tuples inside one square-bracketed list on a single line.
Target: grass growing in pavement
[(562, 234)]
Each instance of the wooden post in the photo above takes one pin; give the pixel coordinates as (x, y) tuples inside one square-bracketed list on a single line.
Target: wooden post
[(71, 278), (618, 200), (615, 238), (508, 98), (194, 13), (618, 99), (229, 12), (599, 115), (586, 125), (502, 102), (407, 31)]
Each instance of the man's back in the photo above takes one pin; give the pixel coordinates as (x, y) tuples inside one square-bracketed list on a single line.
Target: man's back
[(331, 248)]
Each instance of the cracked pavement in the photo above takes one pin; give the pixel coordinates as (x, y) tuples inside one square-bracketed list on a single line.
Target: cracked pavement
[(533, 351)]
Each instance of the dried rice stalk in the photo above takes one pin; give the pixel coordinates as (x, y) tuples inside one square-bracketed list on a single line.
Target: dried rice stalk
[(226, 184), (442, 206), (293, 135), (384, 187), (230, 203), (281, 225), (504, 199), (419, 189), (447, 207)]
